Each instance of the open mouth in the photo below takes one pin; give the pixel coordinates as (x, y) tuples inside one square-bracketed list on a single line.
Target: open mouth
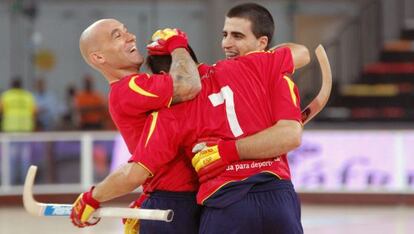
[(231, 54), (133, 49)]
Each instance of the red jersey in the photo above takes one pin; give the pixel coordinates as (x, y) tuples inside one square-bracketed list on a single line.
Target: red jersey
[(239, 97), (131, 101), (176, 175), (203, 69), (132, 98)]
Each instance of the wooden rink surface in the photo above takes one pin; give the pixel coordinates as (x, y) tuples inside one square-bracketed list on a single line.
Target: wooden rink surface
[(316, 220)]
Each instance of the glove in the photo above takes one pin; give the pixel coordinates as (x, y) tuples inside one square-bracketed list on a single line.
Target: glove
[(211, 171), (83, 208), (131, 226), (212, 157), (166, 40)]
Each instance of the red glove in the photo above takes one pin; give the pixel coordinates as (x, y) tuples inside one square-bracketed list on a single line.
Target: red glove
[(166, 40), (212, 157), (211, 171), (83, 208)]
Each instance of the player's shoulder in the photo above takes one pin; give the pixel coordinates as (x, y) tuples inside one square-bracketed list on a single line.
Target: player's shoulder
[(257, 53), (127, 78), (274, 56), (140, 77), (272, 52), (203, 69), (282, 49), (255, 56), (125, 83), (282, 52), (137, 76)]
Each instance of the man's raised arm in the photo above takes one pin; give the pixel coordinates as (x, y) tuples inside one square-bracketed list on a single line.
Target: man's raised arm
[(183, 70), (300, 54), (185, 76)]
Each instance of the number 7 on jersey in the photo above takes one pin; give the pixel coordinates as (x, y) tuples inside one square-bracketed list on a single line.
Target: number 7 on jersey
[(225, 96)]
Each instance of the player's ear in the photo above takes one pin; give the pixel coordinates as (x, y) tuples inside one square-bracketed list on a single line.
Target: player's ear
[(262, 41), (96, 58)]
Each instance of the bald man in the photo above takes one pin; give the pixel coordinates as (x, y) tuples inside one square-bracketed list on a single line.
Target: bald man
[(110, 48)]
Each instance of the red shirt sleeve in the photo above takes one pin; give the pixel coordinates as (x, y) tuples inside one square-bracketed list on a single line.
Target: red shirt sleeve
[(275, 68), (285, 100), (145, 92), (285, 97), (284, 55), (270, 64), (279, 61), (203, 69)]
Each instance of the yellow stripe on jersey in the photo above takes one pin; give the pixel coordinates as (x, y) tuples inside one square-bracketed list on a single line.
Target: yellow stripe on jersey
[(169, 103), (152, 127), (257, 51), (132, 85), (146, 168), (291, 89)]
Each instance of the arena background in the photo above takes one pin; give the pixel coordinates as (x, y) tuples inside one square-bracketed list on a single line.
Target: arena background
[(355, 168)]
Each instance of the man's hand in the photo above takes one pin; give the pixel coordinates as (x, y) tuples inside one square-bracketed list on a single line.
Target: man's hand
[(83, 208), (212, 156), (131, 226), (166, 40)]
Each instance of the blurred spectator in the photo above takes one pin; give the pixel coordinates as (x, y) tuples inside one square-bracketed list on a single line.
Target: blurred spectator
[(47, 107), (90, 106), (68, 118), (18, 107)]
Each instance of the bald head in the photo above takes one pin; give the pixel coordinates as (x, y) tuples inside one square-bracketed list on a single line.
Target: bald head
[(89, 39), (110, 48)]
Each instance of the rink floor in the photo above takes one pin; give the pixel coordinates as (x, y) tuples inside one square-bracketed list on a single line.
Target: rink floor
[(316, 220)]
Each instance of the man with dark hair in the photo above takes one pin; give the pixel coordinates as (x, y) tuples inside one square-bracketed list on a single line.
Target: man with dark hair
[(161, 63), (247, 27), (243, 33)]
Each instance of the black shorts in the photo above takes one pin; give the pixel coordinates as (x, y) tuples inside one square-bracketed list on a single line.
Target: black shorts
[(268, 208), (186, 218)]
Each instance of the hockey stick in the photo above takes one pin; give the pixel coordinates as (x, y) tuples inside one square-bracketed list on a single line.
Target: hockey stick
[(49, 209), (319, 102)]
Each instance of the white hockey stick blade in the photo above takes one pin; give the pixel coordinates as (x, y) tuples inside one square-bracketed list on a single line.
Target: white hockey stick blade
[(319, 102), (49, 209)]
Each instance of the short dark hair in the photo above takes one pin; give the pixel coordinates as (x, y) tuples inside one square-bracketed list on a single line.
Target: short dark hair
[(261, 19), (162, 63), (16, 82)]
